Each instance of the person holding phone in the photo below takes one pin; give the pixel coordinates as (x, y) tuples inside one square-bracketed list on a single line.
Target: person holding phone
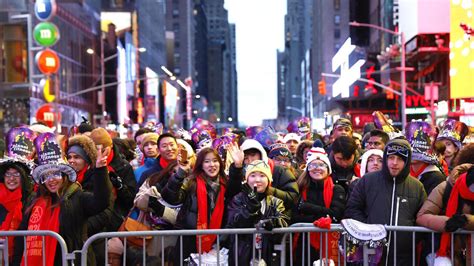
[(254, 207), (204, 193)]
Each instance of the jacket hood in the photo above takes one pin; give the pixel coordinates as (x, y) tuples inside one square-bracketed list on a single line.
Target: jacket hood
[(365, 159), (87, 144), (253, 144), (401, 148), (457, 171)]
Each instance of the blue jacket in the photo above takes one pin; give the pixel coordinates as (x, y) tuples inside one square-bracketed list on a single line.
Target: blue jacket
[(149, 163)]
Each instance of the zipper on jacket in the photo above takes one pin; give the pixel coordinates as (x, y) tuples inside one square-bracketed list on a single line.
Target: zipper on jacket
[(391, 219)]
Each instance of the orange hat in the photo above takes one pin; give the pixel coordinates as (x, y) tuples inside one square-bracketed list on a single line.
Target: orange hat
[(100, 136)]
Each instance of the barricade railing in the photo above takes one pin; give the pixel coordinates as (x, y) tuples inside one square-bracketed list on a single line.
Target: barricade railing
[(5, 235), (284, 248)]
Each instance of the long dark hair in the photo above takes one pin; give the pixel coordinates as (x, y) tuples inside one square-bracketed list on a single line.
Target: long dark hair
[(198, 171), (165, 173), (43, 192)]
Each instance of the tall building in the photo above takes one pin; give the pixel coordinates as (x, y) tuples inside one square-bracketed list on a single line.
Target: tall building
[(222, 91)]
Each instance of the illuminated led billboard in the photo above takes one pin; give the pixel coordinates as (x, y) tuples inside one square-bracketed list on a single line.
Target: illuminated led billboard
[(461, 50)]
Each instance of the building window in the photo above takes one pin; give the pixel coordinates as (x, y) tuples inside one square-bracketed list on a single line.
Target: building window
[(175, 13), (176, 44), (337, 20), (337, 33), (337, 46), (337, 4)]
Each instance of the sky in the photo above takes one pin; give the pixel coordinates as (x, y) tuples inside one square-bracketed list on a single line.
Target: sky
[(259, 34)]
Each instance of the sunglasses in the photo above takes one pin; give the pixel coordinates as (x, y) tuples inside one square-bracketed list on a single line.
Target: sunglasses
[(313, 166), (50, 175)]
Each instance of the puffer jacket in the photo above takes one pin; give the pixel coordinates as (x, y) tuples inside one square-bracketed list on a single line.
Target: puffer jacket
[(432, 213), (181, 189), (239, 217), (76, 207), (379, 198), (431, 177)]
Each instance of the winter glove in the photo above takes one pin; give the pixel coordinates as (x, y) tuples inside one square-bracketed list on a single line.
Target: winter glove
[(252, 202), (157, 208), (455, 222), (308, 208), (266, 224), (323, 222), (116, 180)]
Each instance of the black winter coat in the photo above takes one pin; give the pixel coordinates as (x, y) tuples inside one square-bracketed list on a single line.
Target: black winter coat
[(239, 217), (76, 207), (125, 196), (371, 202), (283, 186), (179, 190), (431, 179)]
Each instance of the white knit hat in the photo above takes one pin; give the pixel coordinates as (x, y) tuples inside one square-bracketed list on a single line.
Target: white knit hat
[(316, 153)]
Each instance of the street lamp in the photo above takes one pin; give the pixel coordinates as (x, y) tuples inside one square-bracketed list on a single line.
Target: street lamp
[(402, 64), (295, 109)]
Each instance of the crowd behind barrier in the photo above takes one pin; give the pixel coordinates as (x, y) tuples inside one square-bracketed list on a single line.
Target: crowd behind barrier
[(285, 254), (258, 197)]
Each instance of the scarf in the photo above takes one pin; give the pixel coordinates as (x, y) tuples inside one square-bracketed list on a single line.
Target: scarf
[(11, 200), (163, 162), (80, 174), (43, 217), (416, 174), (460, 189), (314, 238), (202, 217)]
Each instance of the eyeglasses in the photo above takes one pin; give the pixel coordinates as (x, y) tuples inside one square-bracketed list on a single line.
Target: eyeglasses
[(313, 166), (12, 174), (50, 175)]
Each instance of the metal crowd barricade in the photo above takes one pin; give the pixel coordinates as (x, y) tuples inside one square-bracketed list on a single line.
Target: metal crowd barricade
[(4, 235)]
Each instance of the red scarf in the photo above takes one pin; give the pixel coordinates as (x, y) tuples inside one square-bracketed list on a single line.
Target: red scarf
[(111, 170), (416, 174), (80, 174), (357, 170), (43, 217), (445, 167), (163, 162), (11, 200), (202, 218), (314, 238), (460, 189)]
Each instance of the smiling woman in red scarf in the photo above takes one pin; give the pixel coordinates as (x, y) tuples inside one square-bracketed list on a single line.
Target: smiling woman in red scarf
[(15, 190), (204, 196), (320, 197), (60, 205)]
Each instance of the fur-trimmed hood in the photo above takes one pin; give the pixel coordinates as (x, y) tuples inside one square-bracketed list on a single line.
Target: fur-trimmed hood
[(87, 144)]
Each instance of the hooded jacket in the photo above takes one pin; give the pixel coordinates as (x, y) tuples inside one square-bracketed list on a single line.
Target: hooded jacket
[(365, 159), (284, 184), (380, 198)]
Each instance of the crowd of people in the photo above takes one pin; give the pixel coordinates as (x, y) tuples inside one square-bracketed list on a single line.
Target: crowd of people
[(92, 181)]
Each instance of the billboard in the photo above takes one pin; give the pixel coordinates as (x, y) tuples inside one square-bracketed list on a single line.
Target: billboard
[(170, 94), (122, 20), (461, 54)]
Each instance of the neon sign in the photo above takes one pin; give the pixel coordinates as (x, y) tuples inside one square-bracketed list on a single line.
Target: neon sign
[(348, 74)]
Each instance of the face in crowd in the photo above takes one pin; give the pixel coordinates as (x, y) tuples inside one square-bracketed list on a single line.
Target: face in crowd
[(374, 163), (292, 145), (375, 142), (168, 148), (53, 180), (451, 148), (211, 165), (258, 179), (76, 161), (318, 170), (282, 161), (150, 149), (342, 131), (395, 164), (12, 179), (251, 155)]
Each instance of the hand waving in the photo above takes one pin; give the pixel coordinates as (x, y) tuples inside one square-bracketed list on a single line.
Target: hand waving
[(102, 155), (236, 154)]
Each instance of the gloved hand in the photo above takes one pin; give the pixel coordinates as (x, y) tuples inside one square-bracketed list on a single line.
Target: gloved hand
[(455, 222), (252, 202), (308, 208), (156, 206), (266, 224), (116, 180)]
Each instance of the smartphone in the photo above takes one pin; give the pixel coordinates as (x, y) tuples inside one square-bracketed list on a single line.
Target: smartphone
[(184, 155)]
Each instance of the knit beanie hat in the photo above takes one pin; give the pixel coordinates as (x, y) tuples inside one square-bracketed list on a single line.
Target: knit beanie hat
[(79, 151), (280, 149), (291, 136), (149, 137), (100, 136), (259, 166), (316, 153)]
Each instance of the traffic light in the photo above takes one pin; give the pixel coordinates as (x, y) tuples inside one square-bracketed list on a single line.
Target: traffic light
[(322, 87)]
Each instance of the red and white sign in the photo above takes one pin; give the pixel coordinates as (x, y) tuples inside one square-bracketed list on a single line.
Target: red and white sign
[(46, 114)]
